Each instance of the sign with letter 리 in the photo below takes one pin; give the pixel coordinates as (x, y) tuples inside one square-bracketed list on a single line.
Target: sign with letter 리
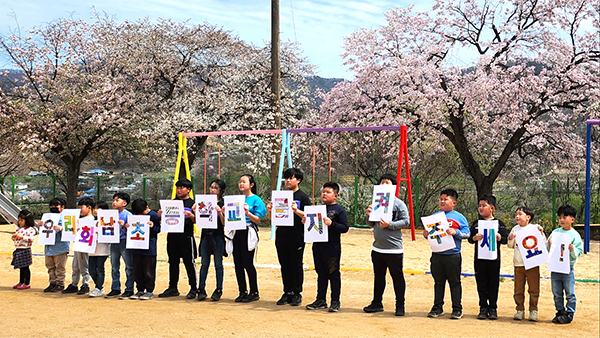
[(70, 217), (436, 226)]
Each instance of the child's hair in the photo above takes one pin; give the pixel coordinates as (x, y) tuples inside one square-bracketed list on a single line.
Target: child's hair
[(294, 172), (252, 181), (124, 196), (390, 177), (138, 206), (57, 202), (27, 216), (101, 205), (450, 193), (566, 210), (221, 186), (490, 199), (184, 182), (334, 186), (88, 202), (527, 211)]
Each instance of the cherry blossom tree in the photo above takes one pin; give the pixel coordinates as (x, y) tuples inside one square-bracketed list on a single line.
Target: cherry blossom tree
[(534, 71)]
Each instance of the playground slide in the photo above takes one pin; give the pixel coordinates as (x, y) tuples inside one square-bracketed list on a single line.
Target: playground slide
[(8, 210)]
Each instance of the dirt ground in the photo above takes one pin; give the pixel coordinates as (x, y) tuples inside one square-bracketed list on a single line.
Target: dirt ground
[(33, 313)]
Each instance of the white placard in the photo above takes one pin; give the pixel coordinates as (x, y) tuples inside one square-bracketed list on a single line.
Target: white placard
[(109, 230), (138, 232), (436, 225), (206, 215), (235, 217), (488, 246), (532, 246), (47, 234), (558, 258), (173, 218), (315, 229), (281, 212), (384, 196), (86, 237), (69, 219)]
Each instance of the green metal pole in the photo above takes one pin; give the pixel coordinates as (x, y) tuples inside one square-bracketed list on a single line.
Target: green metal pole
[(144, 188), (53, 186), (97, 188), (416, 211), (13, 187), (356, 200), (554, 220)]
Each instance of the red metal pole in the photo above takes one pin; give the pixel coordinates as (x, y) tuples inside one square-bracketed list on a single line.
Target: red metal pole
[(205, 160)]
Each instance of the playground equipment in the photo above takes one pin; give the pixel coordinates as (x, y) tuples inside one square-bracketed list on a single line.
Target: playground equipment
[(286, 150), (9, 210), (588, 169)]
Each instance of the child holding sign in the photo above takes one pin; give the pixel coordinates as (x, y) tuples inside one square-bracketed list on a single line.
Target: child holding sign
[(487, 271), (561, 281), (56, 254), (523, 216)]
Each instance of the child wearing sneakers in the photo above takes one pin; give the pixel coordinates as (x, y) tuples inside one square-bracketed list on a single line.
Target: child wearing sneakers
[(144, 261), (23, 239), (98, 258), (56, 255), (81, 259), (523, 217), (565, 283), (327, 254)]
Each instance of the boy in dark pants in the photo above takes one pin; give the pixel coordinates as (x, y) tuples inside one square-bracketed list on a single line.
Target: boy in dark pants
[(144, 261), (289, 242), (487, 272), (182, 245), (327, 254)]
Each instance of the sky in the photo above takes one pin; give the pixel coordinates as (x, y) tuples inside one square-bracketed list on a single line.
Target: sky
[(319, 26)]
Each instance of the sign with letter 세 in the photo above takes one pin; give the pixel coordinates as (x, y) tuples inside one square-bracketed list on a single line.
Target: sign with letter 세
[(487, 247)]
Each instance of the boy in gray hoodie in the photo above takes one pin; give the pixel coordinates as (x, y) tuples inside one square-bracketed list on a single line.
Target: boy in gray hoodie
[(387, 253)]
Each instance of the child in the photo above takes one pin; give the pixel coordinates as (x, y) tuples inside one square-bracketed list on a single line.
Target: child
[(446, 265), (212, 241), (81, 259), (23, 239), (523, 217), (387, 253), (327, 254), (56, 255), (242, 258), (561, 281), (144, 261), (487, 272), (182, 245), (289, 241), (98, 258), (118, 250)]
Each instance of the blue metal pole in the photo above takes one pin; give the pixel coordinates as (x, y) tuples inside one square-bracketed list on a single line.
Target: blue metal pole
[(588, 170)]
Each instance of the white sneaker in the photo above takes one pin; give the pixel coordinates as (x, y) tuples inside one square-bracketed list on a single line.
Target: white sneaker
[(533, 315), (520, 315), (97, 292)]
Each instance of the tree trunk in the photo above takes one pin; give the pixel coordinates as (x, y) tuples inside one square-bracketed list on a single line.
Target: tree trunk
[(73, 169)]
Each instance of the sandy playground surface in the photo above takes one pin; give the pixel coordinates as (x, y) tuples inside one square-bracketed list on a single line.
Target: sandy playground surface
[(33, 313)]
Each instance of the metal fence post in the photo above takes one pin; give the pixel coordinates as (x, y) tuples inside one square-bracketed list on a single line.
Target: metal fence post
[(416, 211), (97, 188), (144, 188), (13, 188), (53, 186), (554, 220)]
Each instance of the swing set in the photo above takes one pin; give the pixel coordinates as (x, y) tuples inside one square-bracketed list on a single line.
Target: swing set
[(286, 154)]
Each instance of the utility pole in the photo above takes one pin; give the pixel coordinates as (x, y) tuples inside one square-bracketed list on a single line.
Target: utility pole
[(275, 91)]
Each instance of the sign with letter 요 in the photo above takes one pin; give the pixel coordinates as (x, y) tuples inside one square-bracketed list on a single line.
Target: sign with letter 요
[(532, 246)]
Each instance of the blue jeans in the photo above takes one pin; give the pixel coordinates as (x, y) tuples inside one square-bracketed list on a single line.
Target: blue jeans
[(97, 270), (218, 254), (116, 252), (566, 282)]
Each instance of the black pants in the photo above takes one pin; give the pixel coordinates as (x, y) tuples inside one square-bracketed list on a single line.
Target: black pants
[(487, 276), (179, 248), (25, 275), (144, 272), (381, 263), (446, 268), (97, 272), (327, 265), (244, 262), (290, 252)]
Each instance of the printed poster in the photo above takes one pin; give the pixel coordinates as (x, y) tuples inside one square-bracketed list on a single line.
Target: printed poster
[(436, 225), (488, 245), (315, 229), (109, 230), (206, 215), (173, 218), (47, 234), (69, 218), (383, 202), (558, 258), (282, 213), (235, 216), (86, 240), (532, 246), (138, 231)]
